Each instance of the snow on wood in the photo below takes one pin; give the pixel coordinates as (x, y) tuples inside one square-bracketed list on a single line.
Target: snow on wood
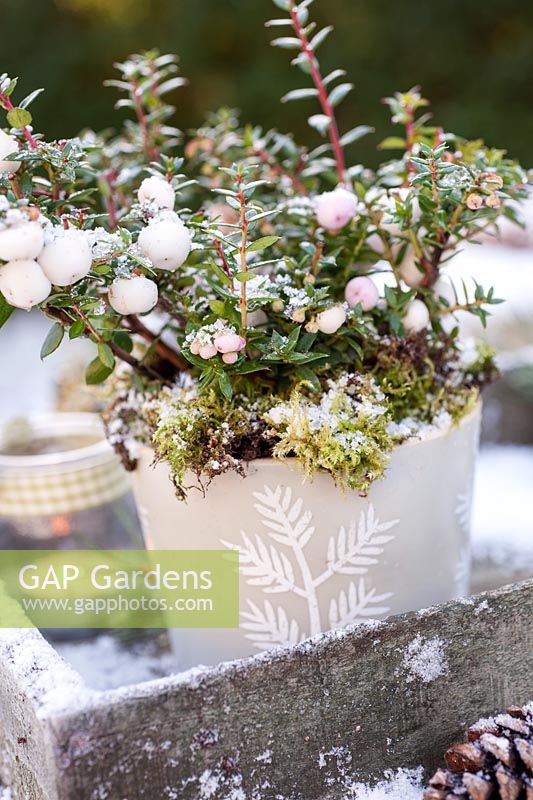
[(312, 721)]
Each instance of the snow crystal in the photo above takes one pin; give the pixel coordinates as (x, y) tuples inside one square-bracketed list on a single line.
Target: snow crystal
[(424, 659), (405, 784), (48, 680), (104, 663), (483, 606)]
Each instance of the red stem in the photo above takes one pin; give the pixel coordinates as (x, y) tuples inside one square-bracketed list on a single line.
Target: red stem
[(333, 129), (9, 106), (112, 212), (224, 260), (149, 147)]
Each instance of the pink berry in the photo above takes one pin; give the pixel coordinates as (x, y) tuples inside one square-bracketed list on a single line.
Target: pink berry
[(207, 351), (361, 291), (229, 342), (195, 347), (230, 358), (335, 209)]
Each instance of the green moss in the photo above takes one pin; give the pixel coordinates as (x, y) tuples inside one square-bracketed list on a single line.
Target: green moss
[(343, 432)]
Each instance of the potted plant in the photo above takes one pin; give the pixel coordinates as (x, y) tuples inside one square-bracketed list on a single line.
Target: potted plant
[(299, 333)]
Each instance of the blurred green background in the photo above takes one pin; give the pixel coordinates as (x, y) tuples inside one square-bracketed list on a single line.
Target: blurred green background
[(473, 60)]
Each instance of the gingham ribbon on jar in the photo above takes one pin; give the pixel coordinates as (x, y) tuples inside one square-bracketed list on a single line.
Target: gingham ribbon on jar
[(53, 490)]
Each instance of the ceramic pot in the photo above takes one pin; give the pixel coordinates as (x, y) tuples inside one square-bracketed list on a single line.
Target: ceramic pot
[(314, 558)]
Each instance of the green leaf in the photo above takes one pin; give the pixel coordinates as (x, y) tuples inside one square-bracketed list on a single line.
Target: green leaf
[(53, 340), (337, 73), (5, 310), (320, 37), (392, 143), (243, 277), (299, 94), (262, 243), (19, 117), (123, 340), (224, 382), (97, 372), (355, 134), (338, 94), (217, 307), (307, 375), (320, 122), (105, 354), (286, 43), (76, 329), (30, 98)]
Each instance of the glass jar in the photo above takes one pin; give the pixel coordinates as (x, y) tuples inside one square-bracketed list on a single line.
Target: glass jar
[(63, 486)]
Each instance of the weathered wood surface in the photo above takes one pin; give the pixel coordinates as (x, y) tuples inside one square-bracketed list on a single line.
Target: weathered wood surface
[(305, 723)]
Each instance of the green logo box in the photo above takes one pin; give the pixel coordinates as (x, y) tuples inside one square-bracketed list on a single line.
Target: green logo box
[(119, 589)]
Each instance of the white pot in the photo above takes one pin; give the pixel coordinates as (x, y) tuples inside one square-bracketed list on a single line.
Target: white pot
[(331, 558)]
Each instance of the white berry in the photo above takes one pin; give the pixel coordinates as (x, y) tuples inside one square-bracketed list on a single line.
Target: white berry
[(335, 209), (8, 146), (21, 241), (331, 319), (363, 291), (416, 317), (444, 288), (67, 258), (24, 284), (158, 191), (410, 271), (167, 243), (136, 295)]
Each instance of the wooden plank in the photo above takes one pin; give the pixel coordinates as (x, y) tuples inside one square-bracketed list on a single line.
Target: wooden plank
[(27, 760), (308, 722)]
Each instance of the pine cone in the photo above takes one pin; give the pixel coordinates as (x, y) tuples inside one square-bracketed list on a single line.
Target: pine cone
[(495, 763)]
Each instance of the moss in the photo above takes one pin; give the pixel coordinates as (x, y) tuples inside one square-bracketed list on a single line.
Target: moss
[(343, 432), (345, 429), (206, 436)]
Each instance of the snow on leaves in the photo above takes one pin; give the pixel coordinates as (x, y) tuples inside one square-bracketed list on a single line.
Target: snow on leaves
[(263, 563)]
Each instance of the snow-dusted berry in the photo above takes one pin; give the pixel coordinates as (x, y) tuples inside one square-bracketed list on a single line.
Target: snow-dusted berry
[(158, 191), (361, 291), (331, 319), (416, 317), (135, 295), (24, 241), (207, 351), (23, 283), (166, 242), (335, 209), (410, 271), (229, 342), (8, 146), (230, 358), (67, 257), (444, 289)]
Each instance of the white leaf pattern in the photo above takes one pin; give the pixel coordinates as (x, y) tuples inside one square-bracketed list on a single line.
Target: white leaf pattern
[(356, 605), (269, 627), (352, 552)]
